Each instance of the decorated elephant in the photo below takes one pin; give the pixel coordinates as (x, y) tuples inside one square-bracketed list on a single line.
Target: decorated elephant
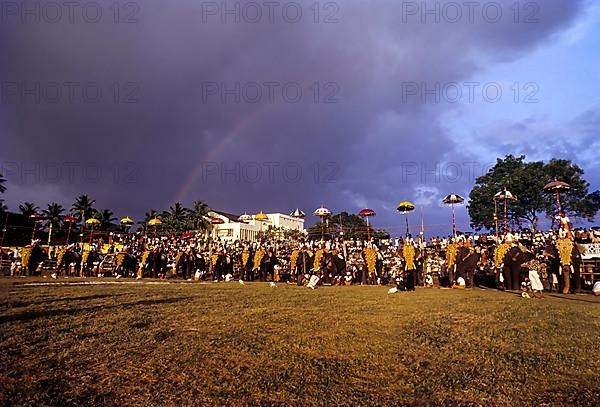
[(466, 263), (68, 261), (31, 259), (126, 264), (567, 264), (509, 258)]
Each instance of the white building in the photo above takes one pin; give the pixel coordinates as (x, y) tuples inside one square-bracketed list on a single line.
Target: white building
[(233, 229)]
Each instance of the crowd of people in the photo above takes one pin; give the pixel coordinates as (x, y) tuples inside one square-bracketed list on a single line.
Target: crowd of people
[(528, 261)]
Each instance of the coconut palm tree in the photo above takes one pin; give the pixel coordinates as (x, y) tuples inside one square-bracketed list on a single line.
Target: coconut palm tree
[(198, 216), (28, 208), (53, 214), (83, 207), (175, 218), (106, 218)]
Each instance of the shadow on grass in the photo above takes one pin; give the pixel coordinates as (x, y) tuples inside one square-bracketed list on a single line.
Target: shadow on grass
[(32, 315), (566, 297), (17, 304)]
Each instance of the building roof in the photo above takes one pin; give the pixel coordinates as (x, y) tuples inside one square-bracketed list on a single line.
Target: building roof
[(232, 217)]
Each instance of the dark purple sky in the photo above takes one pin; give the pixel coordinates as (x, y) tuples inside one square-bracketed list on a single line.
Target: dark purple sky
[(178, 138)]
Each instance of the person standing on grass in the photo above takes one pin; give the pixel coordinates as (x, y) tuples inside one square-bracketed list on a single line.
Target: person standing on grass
[(536, 267)]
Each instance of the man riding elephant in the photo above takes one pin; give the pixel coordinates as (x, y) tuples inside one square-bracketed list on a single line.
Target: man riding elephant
[(515, 256), (303, 264), (466, 262)]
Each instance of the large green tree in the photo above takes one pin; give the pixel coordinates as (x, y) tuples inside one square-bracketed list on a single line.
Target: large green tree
[(526, 181)]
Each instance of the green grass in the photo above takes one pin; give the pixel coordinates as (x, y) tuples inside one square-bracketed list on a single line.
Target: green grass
[(232, 344)]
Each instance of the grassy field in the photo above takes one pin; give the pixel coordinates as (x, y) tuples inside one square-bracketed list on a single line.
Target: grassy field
[(230, 344)]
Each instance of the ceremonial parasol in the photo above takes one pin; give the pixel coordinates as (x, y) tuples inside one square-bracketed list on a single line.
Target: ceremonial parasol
[(405, 208), (154, 222), (92, 222), (36, 217), (557, 187), (126, 221), (322, 213), (70, 220), (506, 196), (261, 217), (453, 199), (298, 214), (245, 218), (367, 213)]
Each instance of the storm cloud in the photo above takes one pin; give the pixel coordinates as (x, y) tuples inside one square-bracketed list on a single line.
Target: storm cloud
[(168, 127)]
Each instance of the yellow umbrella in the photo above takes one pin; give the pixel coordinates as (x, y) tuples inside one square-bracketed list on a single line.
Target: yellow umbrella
[(405, 208), (126, 221), (92, 222), (261, 217), (154, 222)]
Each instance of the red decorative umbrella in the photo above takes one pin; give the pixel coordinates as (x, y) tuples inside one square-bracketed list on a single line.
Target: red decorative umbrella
[(367, 213), (70, 220)]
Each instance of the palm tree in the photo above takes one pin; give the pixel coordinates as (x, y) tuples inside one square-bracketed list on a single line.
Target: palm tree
[(83, 207), (198, 216), (106, 218), (53, 214), (3, 208), (176, 217), (28, 209), (2, 182)]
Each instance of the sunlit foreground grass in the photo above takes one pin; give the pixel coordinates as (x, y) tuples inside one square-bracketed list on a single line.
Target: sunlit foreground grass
[(231, 344)]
